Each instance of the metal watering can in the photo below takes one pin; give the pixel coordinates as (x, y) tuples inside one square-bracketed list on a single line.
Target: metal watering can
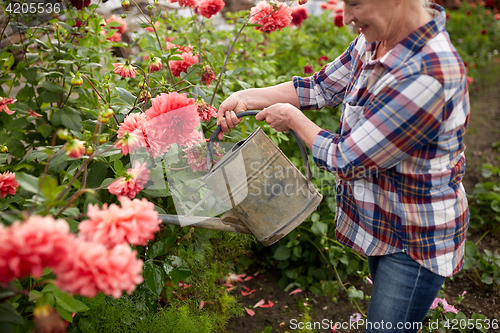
[(269, 196)]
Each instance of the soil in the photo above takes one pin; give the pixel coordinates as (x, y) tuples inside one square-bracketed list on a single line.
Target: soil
[(483, 133)]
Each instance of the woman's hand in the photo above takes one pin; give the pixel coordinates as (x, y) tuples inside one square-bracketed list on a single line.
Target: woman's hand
[(280, 116), (226, 116)]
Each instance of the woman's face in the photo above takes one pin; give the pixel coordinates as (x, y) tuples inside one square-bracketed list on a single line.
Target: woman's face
[(378, 20)]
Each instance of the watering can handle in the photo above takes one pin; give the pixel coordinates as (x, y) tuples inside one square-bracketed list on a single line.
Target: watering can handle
[(303, 151)]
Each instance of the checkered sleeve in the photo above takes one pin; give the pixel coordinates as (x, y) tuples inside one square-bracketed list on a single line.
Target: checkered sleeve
[(326, 87), (403, 117)]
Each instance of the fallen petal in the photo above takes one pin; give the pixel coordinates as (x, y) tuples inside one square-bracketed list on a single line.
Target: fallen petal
[(230, 288), (256, 273), (296, 291), (282, 324), (248, 278), (259, 303), (251, 313), (246, 288), (268, 305), (244, 293)]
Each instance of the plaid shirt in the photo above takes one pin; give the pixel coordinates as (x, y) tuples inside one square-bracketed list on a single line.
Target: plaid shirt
[(399, 155)]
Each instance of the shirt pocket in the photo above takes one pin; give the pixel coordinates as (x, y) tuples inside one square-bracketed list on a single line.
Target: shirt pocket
[(351, 115)]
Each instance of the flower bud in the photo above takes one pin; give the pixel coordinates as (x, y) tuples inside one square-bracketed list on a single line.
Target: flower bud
[(108, 113), (302, 2), (76, 81), (123, 16), (142, 85), (63, 134), (102, 22), (4, 149), (150, 7), (125, 4), (103, 120), (103, 138)]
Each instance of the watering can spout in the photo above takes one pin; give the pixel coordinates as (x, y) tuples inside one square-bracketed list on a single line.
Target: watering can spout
[(227, 222)]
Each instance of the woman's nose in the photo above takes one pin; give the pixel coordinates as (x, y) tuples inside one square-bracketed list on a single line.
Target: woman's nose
[(347, 16)]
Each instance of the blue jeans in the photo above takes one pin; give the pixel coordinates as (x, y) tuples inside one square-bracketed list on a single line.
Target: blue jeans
[(403, 292)]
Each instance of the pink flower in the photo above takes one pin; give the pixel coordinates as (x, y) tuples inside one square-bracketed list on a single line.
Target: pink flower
[(470, 80), (356, 317), (208, 8), (196, 154), (150, 29), (4, 101), (465, 292), (207, 75), (135, 222), (308, 69), (233, 278), (179, 66), (132, 183), (185, 3), (131, 133), (497, 16), (338, 21), (122, 28), (302, 2), (27, 248), (75, 148), (299, 14), (125, 70), (447, 307), (369, 280), (155, 64), (8, 184), (171, 119), (206, 111), (269, 18), (92, 268), (115, 38), (435, 303)]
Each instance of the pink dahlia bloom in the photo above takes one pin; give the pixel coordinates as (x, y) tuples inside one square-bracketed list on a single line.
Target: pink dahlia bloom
[(125, 70), (4, 101), (179, 66), (196, 153), (131, 133), (122, 28), (132, 183), (206, 111), (209, 8), (29, 247), (185, 3), (172, 119), (8, 184), (115, 38), (135, 222), (75, 148), (155, 64), (269, 18), (207, 75), (299, 14), (150, 29), (92, 268)]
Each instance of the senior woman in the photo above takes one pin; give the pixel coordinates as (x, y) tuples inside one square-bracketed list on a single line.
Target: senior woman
[(398, 156)]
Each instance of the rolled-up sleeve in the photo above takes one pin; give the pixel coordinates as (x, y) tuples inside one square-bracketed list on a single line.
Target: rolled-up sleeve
[(326, 87), (402, 118)]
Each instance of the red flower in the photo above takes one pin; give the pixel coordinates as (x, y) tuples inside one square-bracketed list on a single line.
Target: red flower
[(4, 101), (185, 3), (470, 80), (125, 70), (208, 8), (308, 69), (92, 268), (171, 119), (207, 75), (270, 18), (79, 4), (302, 2), (179, 66), (77, 24), (299, 14), (338, 21), (29, 247), (132, 183), (8, 184), (135, 222), (122, 28), (322, 60), (483, 32)]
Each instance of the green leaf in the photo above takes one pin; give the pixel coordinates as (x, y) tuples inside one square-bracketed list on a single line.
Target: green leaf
[(176, 268), (319, 228), (27, 182), (282, 253), (32, 57), (66, 315), (486, 278), (152, 41), (125, 95), (355, 294), (67, 117), (157, 249), (53, 87), (9, 315), (495, 205), (65, 301), (45, 130), (153, 275), (65, 62), (97, 174), (119, 168), (31, 75)]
